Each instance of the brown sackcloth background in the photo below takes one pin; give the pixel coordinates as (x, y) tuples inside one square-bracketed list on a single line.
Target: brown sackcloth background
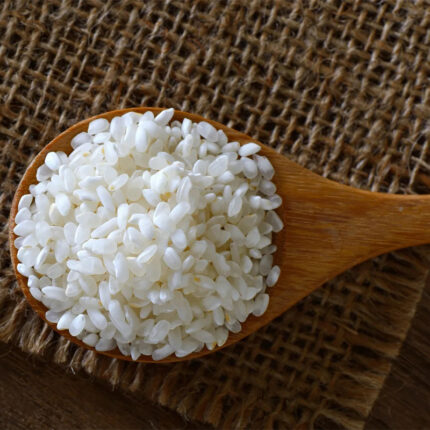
[(341, 87)]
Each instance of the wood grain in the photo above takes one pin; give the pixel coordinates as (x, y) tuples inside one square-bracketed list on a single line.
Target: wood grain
[(404, 401), (329, 228), (37, 395)]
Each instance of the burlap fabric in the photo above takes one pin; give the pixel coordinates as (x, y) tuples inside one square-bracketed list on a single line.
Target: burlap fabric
[(340, 87)]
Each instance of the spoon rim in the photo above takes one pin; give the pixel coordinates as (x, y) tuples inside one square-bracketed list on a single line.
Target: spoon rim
[(29, 177)]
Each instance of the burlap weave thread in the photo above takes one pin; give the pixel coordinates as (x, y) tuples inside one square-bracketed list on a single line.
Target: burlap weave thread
[(339, 86)]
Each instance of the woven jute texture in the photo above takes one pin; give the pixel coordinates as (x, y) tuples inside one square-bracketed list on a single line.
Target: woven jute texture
[(339, 86)]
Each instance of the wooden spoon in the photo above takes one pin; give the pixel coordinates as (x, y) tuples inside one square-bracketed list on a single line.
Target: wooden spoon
[(329, 228)]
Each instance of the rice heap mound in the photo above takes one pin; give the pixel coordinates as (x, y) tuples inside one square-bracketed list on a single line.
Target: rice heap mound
[(151, 236)]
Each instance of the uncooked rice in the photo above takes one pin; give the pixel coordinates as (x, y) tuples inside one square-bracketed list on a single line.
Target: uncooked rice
[(151, 236)]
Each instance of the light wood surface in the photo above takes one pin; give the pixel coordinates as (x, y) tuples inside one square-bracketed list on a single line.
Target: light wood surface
[(329, 228)]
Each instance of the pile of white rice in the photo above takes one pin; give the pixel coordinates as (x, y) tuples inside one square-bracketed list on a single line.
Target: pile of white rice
[(152, 237)]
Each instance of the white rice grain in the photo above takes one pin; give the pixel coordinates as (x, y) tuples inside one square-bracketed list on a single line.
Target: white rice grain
[(249, 149)]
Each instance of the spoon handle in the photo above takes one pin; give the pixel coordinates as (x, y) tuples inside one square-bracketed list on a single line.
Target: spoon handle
[(331, 227)]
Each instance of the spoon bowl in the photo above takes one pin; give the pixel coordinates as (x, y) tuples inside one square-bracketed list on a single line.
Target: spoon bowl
[(328, 228)]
